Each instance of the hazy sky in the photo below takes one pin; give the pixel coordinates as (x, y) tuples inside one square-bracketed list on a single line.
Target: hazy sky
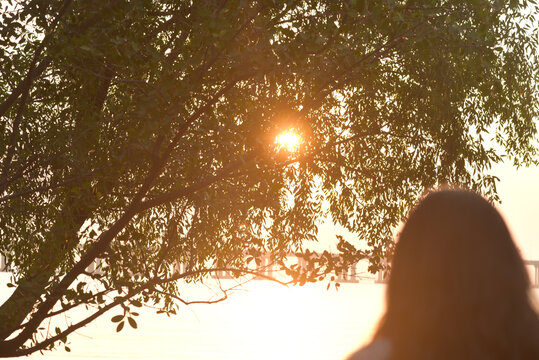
[(519, 192)]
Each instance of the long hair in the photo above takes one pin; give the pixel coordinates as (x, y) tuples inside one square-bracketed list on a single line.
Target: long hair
[(458, 287)]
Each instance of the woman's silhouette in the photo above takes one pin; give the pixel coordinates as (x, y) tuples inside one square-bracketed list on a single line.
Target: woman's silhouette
[(458, 287)]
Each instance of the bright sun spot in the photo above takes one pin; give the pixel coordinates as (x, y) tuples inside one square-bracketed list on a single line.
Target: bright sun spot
[(288, 140)]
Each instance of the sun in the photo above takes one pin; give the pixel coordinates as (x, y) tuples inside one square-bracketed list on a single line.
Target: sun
[(288, 140)]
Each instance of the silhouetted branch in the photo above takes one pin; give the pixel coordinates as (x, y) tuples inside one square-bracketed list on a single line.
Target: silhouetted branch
[(34, 70)]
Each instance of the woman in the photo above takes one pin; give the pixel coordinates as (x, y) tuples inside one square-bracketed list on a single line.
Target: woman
[(458, 287)]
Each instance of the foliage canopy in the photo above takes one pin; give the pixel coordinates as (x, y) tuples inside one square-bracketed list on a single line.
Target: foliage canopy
[(142, 132)]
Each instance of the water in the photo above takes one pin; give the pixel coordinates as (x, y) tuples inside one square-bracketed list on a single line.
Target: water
[(266, 321)]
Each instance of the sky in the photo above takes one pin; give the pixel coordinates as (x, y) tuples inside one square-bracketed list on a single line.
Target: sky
[(519, 205), (519, 193)]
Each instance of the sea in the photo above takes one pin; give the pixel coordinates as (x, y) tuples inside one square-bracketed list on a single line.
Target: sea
[(259, 320)]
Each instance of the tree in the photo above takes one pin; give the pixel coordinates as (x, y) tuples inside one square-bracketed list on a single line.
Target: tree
[(142, 133)]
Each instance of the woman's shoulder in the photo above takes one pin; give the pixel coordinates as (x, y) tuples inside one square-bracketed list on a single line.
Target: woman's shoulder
[(378, 349)]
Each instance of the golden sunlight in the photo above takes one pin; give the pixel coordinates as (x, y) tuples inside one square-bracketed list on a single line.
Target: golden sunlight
[(288, 140), (282, 318)]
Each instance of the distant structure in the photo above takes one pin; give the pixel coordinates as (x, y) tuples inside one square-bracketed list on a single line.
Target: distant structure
[(382, 276), (4, 266), (266, 268), (535, 277), (95, 267)]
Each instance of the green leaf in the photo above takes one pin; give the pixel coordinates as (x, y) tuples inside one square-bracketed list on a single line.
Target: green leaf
[(378, 128)]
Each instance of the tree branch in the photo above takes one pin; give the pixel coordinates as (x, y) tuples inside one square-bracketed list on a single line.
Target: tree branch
[(13, 139), (46, 187), (34, 71), (185, 302), (58, 337), (119, 300), (71, 306), (184, 191)]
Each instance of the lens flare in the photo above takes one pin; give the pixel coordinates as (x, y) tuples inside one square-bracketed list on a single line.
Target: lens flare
[(288, 140)]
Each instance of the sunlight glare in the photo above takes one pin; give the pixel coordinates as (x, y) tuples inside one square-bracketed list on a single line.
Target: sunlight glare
[(288, 140), (283, 317)]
